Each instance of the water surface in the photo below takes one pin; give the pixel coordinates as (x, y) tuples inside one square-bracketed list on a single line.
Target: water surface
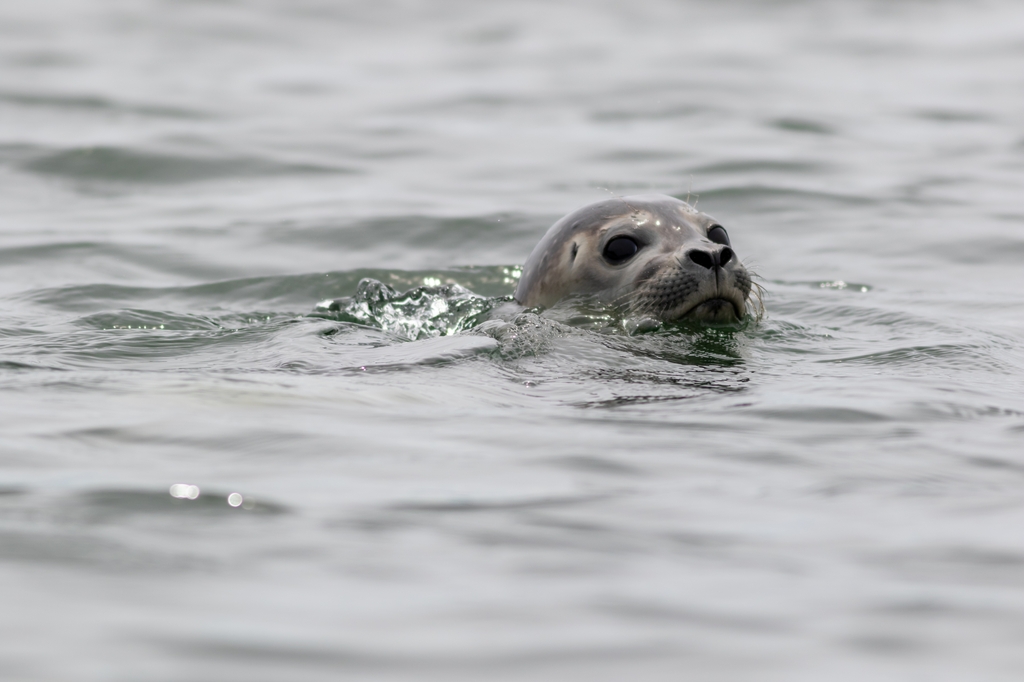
[(834, 492)]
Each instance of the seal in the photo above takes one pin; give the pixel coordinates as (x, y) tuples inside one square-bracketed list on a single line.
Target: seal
[(651, 255)]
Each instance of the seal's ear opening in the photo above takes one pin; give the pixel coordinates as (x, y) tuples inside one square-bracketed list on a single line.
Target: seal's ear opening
[(575, 250)]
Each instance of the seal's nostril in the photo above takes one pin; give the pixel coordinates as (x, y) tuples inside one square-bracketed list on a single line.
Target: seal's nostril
[(724, 256), (702, 258)]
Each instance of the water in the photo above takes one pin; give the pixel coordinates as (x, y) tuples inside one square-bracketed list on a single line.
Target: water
[(835, 492)]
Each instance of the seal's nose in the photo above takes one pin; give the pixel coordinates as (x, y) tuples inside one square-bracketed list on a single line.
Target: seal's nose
[(710, 259)]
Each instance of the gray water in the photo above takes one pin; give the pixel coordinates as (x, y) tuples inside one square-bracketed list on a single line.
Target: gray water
[(202, 478)]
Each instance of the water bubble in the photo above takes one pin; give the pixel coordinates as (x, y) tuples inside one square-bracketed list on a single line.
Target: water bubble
[(235, 499), (184, 491), (512, 275), (840, 284)]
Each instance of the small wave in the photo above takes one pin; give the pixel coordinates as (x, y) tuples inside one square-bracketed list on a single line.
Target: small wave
[(115, 504), (11, 365), (771, 196), (854, 316), (802, 125), (467, 504), (502, 236), (95, 103), (833, 284), (945, 411), (526, 335), (370, 359), (158, 320), (990, 250), (827, 414), (656, 113), (270, 292), (758, 166), (278, 293), (949, 115), (67, 549), (938, 354), (116, 164)]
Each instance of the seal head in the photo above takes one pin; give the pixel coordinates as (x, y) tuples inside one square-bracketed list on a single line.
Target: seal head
[(651, 255)]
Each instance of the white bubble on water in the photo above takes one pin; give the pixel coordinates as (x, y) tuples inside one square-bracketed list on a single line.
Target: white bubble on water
[(184, 491)]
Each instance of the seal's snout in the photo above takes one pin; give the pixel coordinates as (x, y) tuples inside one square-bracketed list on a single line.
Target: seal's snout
[(710, 259)]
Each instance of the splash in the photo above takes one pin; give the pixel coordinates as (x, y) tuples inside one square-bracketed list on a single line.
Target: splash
[(423, 312)]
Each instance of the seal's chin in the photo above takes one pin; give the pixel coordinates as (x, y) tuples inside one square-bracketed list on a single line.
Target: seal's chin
[(714, 310)]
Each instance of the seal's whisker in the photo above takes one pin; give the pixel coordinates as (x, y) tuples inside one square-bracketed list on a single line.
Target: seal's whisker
[(631, 302), (757, 292), (619, 197), (626, 299)]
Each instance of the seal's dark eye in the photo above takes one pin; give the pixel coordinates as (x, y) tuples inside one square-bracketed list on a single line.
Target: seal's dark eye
[(718, 235), (620, 249)]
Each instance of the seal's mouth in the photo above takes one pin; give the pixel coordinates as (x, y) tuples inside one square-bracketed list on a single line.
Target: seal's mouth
[(715, 309), (679, 295)]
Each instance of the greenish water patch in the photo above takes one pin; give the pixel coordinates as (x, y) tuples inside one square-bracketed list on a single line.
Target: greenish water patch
[(182, 499), (94, 103), (802, 125), (123, 165)]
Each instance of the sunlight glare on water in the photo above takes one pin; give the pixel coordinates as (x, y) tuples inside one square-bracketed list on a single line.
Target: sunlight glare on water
[(269, 412)]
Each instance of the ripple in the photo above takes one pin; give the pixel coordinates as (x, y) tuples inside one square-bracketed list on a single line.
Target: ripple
[(760, 165), (961, 563), (672, 112), (939, 354), (82, 551), (64, 101), (802, 125), (816, 414), (114, 505), (121, 165), (13, 366), (485, 505), (954, 115), (158, 320), (283, 292), (835, 285), (989, 250), (774, 195), (428, 351)]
